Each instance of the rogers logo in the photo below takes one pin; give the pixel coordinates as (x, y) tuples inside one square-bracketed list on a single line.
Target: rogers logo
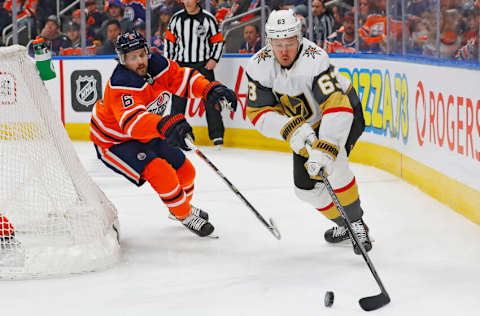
[(420, 97), (447, 120)]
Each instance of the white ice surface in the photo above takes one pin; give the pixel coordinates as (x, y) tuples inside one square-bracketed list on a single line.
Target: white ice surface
[(427, 255)]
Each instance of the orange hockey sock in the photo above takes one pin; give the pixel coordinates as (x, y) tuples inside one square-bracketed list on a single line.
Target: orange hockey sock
[(186, 176), (163, 178)]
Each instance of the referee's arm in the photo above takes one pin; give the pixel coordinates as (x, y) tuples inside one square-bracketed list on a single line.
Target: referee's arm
[(216, 40), (170, 40)]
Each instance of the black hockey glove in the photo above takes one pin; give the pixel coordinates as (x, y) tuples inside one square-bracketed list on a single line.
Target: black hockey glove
[(175, 128), (220, 97)]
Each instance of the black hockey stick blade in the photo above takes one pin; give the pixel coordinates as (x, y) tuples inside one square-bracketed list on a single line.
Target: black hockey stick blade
[(372, 303), (274, 230)]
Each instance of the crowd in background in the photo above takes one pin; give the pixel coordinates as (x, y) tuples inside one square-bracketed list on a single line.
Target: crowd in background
[(333, 24)]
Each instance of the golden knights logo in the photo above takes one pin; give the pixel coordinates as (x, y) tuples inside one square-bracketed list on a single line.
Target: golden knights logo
[(263, 55), (294, 106), (311, 51), (86, 88), (162, 104)]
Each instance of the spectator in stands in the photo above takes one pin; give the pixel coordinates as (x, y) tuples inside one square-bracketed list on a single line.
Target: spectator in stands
[(337, 18), (73, 34), (374, 30), (113, 31), (469, 52), (450, 41), (470, 23), (115, 11), (300, 7), (417, 7), (54, 39), (163, 18), (135, 9), (364, 11), (420, 33), (141, 27), (45, 8), (173, 5), (252, 42), (322, 22), (25, 13), (165, 13), (238, 7), (77, 18), (95, 18), (343, 40)]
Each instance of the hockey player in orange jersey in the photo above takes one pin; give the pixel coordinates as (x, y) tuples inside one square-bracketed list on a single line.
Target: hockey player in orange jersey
[(136, 135)]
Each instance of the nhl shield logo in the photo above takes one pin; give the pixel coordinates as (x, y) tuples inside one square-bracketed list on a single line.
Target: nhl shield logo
[(201, 31), (86, 89)]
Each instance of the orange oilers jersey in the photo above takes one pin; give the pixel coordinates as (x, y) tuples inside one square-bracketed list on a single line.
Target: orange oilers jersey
[(122, 115), (375, 28)]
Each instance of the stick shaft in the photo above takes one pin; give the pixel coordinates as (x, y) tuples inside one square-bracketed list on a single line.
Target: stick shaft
[(271, 227)]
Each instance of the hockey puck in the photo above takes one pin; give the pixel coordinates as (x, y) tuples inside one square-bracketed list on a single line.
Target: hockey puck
[(329, 297)]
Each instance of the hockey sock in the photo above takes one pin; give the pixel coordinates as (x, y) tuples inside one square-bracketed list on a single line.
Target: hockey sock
[(163, 178), (186, 176), (349, 199)]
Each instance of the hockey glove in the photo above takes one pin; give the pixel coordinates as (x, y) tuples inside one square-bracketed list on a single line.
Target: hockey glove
[(298, 133), (220, 97), (321, 156), (175, 128)]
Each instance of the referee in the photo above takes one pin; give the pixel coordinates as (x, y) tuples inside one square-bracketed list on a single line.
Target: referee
[(194, 40)]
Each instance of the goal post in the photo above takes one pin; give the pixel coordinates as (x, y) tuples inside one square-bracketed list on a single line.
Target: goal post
[(54, 220)]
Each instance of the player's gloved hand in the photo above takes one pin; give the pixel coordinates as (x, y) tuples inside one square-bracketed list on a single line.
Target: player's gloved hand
[(321, 156), (221, 97), (175, 128), (298, 133)]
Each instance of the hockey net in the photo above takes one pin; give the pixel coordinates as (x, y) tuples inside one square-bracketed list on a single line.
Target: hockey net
[(54, 220)]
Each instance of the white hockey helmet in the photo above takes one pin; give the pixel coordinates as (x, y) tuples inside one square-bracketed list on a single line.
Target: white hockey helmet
[(283, 24)]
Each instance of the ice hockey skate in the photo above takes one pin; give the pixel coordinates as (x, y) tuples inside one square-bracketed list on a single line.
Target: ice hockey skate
[(194, 210), (336, 234), (339, 234), (198, 225), (360, 229)]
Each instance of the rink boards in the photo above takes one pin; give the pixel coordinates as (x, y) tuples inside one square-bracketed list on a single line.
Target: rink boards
[(422, 117)]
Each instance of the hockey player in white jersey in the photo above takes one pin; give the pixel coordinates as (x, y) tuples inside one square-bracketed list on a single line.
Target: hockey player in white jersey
[(295, 94)]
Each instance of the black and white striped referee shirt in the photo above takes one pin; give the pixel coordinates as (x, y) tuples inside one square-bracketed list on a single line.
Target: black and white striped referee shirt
[(193, 38)]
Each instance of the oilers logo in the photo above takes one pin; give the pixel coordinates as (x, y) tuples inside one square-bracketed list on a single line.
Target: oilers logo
[(161, 105)]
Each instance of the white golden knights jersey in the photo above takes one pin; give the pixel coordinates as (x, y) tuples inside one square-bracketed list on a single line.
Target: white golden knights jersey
[(310, 89)]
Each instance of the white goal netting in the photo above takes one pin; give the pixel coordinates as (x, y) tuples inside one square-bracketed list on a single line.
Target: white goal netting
[(62, 223)]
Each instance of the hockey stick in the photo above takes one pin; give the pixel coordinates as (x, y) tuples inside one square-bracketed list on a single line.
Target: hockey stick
[(270, 225), (369, 303)]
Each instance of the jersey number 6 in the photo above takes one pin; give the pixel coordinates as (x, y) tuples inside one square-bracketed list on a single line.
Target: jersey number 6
[(127, 100)]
